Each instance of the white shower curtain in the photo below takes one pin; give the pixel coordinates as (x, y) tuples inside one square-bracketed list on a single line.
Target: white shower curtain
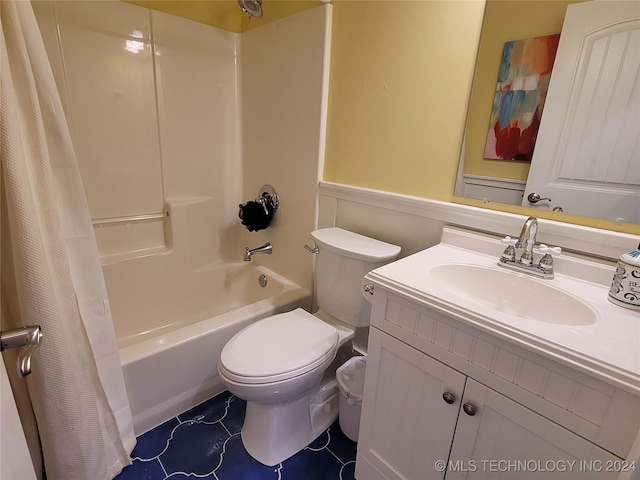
[(76, 389)]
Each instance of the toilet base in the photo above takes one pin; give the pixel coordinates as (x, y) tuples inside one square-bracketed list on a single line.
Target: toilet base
[(273, 432)]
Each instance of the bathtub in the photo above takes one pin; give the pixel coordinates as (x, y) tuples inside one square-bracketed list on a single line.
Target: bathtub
[(170, 341)]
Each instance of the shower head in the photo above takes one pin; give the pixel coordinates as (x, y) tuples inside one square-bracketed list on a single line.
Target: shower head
[(253, 8)]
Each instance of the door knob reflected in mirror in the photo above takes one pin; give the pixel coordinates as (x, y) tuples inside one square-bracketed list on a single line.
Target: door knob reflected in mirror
[(27, 339), (535, 198)]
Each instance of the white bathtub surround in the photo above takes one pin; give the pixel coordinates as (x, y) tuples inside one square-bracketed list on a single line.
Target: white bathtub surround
[(54, 275), (284, 76), (195, 112), (167, 127), (159, 287)]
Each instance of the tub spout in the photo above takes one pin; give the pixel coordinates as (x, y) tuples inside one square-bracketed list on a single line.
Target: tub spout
[(267, 249)]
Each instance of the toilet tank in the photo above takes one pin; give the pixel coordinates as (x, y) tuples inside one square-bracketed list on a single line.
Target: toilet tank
[(343, 259)]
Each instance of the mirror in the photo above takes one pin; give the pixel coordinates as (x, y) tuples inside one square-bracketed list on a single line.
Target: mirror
[(504, 181)]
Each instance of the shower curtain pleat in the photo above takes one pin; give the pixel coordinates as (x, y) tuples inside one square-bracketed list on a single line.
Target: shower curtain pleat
[(76, 389)]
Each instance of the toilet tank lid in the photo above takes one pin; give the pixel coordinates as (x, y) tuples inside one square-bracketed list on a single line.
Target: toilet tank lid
[(354, 245)]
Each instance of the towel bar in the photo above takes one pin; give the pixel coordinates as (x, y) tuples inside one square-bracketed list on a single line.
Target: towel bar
[(132, 218)]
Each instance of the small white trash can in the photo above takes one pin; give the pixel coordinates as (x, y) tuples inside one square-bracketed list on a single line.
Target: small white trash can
[(350, 377)]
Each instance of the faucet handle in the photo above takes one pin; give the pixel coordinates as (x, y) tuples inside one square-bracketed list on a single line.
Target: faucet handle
[(546, 262), (553, 251), (509, 241), (509, 253)]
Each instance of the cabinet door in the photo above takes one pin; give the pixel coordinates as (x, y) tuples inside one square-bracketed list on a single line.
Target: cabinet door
[(503, 439), (406, 425)]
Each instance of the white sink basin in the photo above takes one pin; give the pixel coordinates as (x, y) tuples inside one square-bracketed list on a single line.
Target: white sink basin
[(513, 294), (568, 317)]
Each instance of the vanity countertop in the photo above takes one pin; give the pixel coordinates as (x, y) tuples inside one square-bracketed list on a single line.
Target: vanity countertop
[(608, 348)]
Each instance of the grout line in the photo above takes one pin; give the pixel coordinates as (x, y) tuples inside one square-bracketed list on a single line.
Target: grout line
[(326, 445), (226, 429), (279, 470), (344, 465), (164, 470), (167, 441), (341, 462)]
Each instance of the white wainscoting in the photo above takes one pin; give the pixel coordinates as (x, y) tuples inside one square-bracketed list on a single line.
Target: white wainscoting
[(502, 190), (415, 223)]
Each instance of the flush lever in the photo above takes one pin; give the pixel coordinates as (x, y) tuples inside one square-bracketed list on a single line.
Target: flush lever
[(313, 250), (27, 338)]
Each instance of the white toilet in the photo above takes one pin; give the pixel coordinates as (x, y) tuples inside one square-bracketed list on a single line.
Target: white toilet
[(284, 365)]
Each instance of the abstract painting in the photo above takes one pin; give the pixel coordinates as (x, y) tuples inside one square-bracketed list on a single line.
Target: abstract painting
[(523, 80)]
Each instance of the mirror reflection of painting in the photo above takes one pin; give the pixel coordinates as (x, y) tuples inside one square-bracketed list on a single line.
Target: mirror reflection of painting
[(523, 80)]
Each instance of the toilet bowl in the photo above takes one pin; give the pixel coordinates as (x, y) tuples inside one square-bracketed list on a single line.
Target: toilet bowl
[(288, 354), (288, 404), (284, 365)]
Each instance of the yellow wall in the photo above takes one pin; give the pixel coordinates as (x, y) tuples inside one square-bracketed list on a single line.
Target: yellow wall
[(398, 92), (400, 80), (503, 21)]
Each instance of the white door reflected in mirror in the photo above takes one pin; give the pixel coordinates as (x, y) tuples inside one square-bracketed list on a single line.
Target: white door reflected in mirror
[(586, 156)]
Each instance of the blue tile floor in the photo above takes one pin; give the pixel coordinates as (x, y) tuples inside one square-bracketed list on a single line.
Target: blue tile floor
[(205, 442)]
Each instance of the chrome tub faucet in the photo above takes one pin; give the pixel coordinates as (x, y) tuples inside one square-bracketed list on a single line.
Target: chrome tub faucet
[(525, 244), (267, 249)]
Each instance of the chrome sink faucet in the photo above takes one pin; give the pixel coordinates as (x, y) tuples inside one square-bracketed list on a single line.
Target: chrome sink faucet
[(267, 249), (527, 240), (525, 244)]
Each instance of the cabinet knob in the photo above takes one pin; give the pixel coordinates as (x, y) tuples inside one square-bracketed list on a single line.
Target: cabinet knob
[(469, 409), (449, 397)]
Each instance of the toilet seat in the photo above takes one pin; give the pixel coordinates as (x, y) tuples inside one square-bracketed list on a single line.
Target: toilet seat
[(279, 347)]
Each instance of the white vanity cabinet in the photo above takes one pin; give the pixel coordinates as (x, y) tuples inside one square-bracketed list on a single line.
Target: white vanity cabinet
[(443, 399)]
